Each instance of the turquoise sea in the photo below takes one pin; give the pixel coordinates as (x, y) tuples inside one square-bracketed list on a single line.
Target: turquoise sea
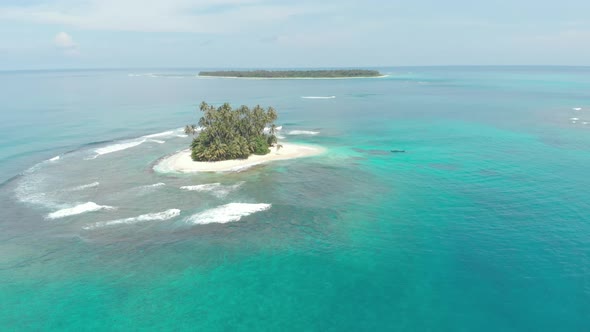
[(482, 225)]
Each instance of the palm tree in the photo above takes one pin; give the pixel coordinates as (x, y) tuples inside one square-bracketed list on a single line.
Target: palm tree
[(232, 133), (190, 129)]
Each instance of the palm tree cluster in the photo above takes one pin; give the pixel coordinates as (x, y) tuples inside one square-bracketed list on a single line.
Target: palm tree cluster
[(232, 133), (294, 73)]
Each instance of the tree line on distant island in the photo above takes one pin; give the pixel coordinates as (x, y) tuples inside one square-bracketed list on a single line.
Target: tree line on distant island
[(337, 73), (228, 133)]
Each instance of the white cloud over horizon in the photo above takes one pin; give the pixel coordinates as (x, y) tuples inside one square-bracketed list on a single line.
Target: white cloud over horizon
[(63, 40), (200, 16), (65, 43), (288, 33)]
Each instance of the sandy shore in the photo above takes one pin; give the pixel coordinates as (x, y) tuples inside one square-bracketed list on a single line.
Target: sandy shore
[(182, 162), (293, 78)]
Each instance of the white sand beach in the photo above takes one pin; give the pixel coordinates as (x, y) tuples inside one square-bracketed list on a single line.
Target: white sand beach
[(291, 78), (181, 162)]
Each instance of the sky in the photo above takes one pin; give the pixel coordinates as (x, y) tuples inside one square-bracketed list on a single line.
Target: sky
[(54, 34)]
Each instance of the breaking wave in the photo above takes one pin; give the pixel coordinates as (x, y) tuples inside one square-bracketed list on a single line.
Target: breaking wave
[(267, 129), (117, 147), (155, 185), (84, 186), (127, 144), (29, 189), (303, 132), (78, 209), (162, 134), (165, 215), (245, 167), (226, 213), (40, 199), (216, 189)]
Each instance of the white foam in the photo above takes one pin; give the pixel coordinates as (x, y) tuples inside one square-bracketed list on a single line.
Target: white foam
[(146, 189), (244, 167), (280, 137), (577, 108), (41, 199), (84, 186), (226, 213), (56, 158), (159, 216), (155, 185), (216, 189), (574, 119), (28, 191), (142, 75), (202, 187), (78, 209), (118, 147), (318, 97), (182, 136), (585, 123), (157, 141), (267, 129), (162, 134), (303, 132)]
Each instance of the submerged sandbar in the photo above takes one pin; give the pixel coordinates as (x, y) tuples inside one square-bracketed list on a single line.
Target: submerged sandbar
[(181, 162)]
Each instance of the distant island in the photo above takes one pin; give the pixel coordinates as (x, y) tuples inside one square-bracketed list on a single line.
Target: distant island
[(339, 73)]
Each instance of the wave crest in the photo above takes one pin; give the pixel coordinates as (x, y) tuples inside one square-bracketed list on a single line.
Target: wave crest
[(158, 216), (226, 213), (118, 147), (318, 97), (216, 189), (84, 186), (78, 209), (303, 132), (162, 134)]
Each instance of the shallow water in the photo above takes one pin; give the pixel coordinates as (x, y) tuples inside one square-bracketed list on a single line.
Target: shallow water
[(481, 225)]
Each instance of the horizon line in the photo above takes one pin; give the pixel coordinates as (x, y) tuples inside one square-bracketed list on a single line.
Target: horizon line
[(273, 68)]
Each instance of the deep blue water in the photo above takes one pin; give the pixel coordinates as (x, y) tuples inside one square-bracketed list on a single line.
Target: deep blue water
[(482, 225)]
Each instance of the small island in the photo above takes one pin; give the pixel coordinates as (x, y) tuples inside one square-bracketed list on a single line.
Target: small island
[(337, 73), (229, 139)]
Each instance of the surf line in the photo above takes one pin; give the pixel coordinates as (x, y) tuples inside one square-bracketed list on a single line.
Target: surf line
[(318, 97)]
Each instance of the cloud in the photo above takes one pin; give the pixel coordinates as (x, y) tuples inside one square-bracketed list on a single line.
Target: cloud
[(200, 16), (65, 42)]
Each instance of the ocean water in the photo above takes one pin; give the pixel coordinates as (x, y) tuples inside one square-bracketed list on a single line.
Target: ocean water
[(482, 225)]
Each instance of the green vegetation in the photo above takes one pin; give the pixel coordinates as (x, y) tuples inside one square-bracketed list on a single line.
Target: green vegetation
[(232, 133), (340, 73)]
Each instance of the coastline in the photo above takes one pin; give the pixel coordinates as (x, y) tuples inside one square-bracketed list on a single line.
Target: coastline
[(292, 78), (181, 161)]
